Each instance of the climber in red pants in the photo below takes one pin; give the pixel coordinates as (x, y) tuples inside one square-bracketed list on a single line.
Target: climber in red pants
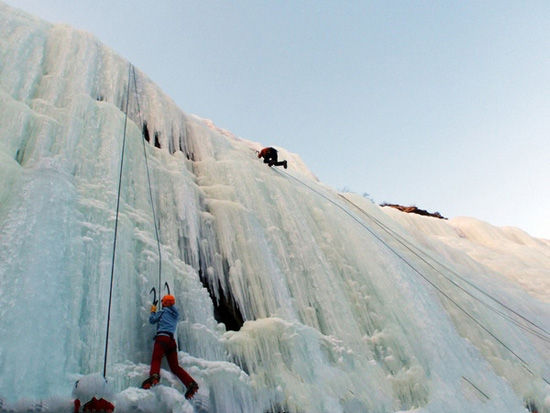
[(165, 345)]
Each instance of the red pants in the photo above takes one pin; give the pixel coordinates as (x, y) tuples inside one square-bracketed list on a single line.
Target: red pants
[(165, 345)]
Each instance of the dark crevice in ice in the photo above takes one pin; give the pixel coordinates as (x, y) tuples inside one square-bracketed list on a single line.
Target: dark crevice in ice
[(20, 154), (145, 132), (173, 146), (226, 310), (276, 408), (147, 135)]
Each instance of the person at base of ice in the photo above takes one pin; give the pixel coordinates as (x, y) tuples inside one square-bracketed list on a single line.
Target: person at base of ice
[(270, 157), (96, 390), (95, 405), (165, 345)]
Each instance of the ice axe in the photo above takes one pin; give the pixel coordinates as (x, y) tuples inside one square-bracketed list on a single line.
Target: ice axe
[(154, 291), (167, 287)]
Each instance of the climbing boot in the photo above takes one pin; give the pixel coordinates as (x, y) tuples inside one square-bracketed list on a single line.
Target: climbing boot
[(151, 381), (191, 390)]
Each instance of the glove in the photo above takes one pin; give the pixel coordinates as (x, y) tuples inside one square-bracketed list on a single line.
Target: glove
[(153, 308)]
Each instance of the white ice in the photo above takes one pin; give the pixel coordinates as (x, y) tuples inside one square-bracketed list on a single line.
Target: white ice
[(338, 316)]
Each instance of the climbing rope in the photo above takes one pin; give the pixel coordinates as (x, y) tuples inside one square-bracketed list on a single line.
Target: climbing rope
[(116, 227), (523, 362), (476, 387), (543, 334), (131, 72), (148, 180)]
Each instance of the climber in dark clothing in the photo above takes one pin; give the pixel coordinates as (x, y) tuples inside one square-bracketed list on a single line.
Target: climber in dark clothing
[(270, 157), (165, 345), (95, 405)]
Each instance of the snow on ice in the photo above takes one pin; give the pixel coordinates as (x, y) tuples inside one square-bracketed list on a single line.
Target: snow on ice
[(293, 297)]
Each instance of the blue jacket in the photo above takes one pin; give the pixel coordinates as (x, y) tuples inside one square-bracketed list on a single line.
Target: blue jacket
[(167, 319)]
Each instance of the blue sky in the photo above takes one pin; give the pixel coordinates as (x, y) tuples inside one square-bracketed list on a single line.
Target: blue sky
[(440, 104)]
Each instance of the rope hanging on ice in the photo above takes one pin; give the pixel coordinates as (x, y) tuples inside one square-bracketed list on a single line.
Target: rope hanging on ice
[(116, 227), (148, 179), (131, 71), (523, 362), (543, 334)]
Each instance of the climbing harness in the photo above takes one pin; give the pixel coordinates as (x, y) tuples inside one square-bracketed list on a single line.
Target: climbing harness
[(379, 238)]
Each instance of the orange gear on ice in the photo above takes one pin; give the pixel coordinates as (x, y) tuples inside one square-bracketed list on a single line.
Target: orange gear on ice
[(168, 300)]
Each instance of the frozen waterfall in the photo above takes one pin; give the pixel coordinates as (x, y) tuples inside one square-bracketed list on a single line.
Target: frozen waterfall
[(293, 297)]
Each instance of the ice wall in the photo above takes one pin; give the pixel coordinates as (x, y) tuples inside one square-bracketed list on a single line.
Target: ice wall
[(336, 317)]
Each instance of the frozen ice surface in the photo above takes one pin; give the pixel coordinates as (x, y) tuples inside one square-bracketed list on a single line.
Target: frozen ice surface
[(337, 316)]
